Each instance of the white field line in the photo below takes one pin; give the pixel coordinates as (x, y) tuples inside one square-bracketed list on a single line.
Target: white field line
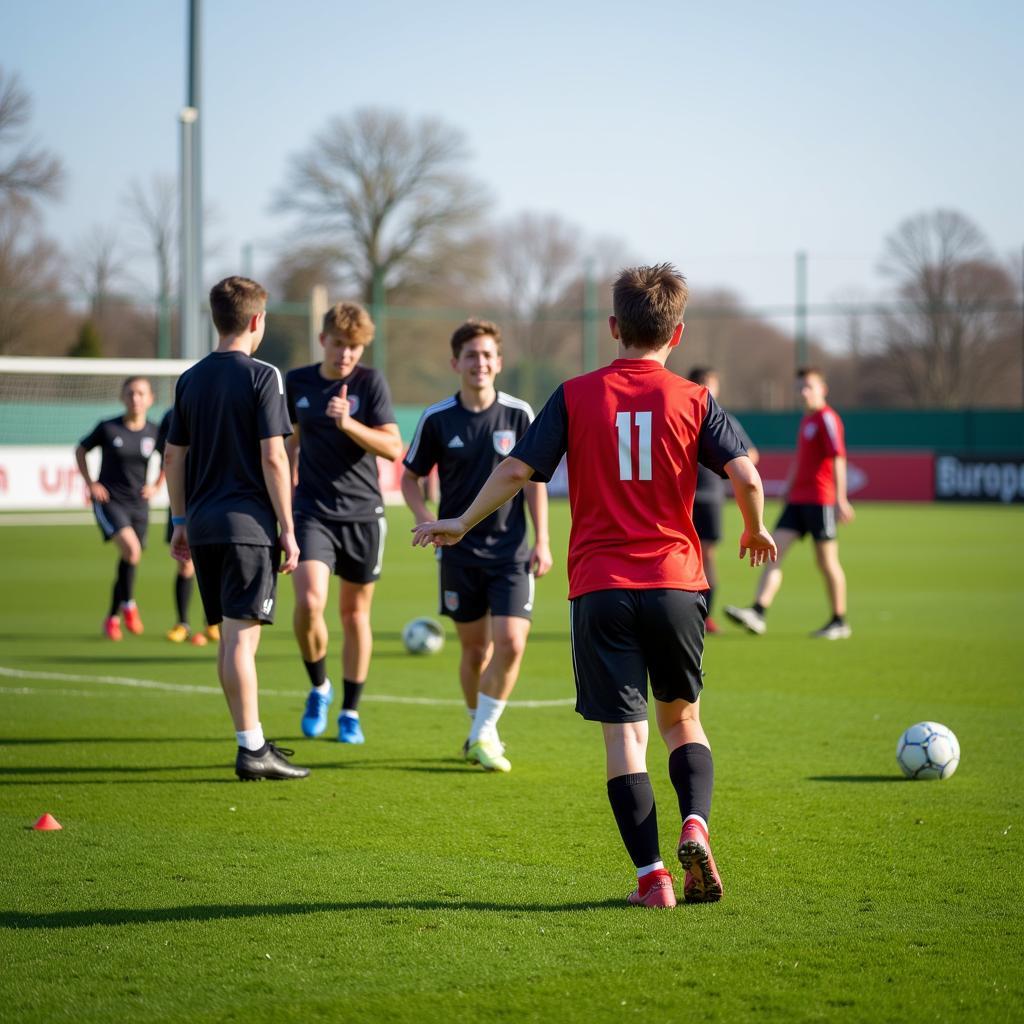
[(153, 684), (46, 518), (49, 691)]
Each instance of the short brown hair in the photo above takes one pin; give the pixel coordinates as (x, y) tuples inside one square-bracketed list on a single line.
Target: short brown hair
[(136, 378), (475, 329), (808, 371), (350, 321), (649, 303), (700, 374), (234, 302)]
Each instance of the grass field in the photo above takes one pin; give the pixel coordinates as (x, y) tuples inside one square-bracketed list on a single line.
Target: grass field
[(399, 884)]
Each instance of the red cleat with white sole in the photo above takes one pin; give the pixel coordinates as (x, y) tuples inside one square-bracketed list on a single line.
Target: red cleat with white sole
[(702, 883), (654, 890), (112, 628), (132, 620), (710, 626)]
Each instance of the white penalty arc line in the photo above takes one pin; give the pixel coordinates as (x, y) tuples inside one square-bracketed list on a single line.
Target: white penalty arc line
[(154, 684)]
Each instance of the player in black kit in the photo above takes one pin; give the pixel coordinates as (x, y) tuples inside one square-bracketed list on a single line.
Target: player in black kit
[(342, 421), (120, 494), (230, 487), (487, 582)]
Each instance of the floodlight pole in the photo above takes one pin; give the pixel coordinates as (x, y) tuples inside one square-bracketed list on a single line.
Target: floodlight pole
[(192, 341), (800, 310)]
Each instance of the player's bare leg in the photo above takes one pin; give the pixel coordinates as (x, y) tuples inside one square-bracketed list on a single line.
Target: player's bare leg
[(312, 581), (827, 554), (691, 770), (354, 606), (129, 550), (236, 668), (752, 619), (476, 650)]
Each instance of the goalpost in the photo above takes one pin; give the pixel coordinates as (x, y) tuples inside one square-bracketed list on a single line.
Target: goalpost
[(47, 405)]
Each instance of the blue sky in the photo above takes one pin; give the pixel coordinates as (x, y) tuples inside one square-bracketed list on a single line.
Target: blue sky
[(721, 136)]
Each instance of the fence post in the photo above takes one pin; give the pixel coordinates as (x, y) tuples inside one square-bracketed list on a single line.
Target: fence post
[(378, 310), (590, 315), (317, 309)]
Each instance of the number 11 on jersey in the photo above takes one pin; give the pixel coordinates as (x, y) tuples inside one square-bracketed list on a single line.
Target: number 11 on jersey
[(624, 425)]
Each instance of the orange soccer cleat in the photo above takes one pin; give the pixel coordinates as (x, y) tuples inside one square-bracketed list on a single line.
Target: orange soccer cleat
[(702, 884), (132, 619), (112, 627)]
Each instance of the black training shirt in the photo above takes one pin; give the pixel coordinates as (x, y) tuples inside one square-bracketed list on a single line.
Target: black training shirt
[(466, 446), (338, 478), (125, 458), (223, 407)]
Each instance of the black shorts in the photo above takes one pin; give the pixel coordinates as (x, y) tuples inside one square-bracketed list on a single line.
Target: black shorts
[(112, 517), (236, 581), (469, 592), (353, 551), (707, 519), (621, 637), (817, 520)]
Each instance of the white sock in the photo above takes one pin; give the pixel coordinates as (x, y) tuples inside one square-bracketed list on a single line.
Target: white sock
[(656, 866), (471, 712), (485, 722), (350, 714), (251, 739), (324, 688), (696, 817)]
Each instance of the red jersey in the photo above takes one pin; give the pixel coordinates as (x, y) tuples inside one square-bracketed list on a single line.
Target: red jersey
[(633, 433), (819, 441)]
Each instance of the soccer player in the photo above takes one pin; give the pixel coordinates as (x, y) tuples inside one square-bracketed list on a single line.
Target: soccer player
[(707, 502), (634, 433), (342, 420), (120, 494), (184, 579), (815, 496), (230, 488), (487, 584)]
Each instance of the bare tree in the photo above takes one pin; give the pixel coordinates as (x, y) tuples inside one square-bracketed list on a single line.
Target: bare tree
[(98, 267), (388, 196), (153, 209), (946, 344), (27, 172)]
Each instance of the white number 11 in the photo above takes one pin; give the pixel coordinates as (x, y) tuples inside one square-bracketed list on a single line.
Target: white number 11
[(623, 423)]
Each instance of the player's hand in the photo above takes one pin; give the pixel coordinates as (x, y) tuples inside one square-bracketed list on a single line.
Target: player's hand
[(540, 560), (339, 410), (759, 545), (442, 533), (99, 493), (148, 491), (289, 552), (845, 513), (180, 551)]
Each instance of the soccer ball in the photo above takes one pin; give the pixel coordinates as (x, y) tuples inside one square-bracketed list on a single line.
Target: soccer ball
[(928, 751), (423, 636)]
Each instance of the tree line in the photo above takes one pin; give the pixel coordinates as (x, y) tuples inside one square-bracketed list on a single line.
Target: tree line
[(381, 207)]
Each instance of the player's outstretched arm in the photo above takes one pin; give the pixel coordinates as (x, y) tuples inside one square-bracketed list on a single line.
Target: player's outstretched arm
[(508, 479), (746, 485), (278, 478)]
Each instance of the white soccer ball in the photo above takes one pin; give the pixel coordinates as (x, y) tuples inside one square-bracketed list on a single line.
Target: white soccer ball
[(423, 636), (928, 751)]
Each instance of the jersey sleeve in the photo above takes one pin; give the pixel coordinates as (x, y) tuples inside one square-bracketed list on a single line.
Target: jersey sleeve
[(379, 410), (177, 431), (423, 453), (717, 443), (93, 438), (546, 439), (743, 436), (162, 431), (833, 435), (272, 418)]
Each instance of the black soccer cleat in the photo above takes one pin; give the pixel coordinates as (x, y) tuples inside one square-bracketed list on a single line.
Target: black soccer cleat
[(270, 763)]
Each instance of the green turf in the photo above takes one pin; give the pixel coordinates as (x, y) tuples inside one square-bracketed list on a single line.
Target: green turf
[(399, 884)]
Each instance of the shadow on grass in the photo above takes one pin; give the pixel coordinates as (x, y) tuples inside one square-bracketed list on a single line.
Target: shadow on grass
[(856, 778), (14, 921)]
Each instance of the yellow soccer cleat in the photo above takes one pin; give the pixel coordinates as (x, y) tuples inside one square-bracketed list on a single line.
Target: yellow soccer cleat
[(213, 633), (489, 754), (179, 634)]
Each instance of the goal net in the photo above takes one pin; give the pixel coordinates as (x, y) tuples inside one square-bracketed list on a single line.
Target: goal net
[(48, 405)]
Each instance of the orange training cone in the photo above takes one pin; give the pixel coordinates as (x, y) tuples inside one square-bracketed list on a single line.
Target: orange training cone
[(47, 823)]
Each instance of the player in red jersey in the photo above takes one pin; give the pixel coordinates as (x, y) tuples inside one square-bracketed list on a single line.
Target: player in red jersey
[(633, 433), (816, 499)]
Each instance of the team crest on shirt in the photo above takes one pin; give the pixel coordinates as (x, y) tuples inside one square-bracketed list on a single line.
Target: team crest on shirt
[(810, 430), (146, 446), (504, 441), (118, 442), (451, 600), (353, 404)]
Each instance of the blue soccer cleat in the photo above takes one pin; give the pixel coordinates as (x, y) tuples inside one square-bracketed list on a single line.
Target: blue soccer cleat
[(349, 729), (314, 718)]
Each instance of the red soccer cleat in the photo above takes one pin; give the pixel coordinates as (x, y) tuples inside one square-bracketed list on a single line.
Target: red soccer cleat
[(702, 883), (710, 626), (112, 628), (132, 620), (654, 890)]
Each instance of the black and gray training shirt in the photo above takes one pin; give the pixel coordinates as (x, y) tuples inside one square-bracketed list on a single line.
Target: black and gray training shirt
[(125, 457)]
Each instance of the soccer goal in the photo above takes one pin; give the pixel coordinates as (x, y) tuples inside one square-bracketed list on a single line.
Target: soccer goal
[(47, 405)]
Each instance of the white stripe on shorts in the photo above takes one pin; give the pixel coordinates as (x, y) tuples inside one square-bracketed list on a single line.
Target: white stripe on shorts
[(382, 525)]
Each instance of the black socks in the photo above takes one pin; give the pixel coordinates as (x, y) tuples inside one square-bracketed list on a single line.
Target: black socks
[(317, 671), (632, 800), (759, 608), (124, 586), (183, 586), (353, 691), (692, 772)]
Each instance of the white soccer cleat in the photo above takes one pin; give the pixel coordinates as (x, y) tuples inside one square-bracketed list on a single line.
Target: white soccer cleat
[(747, 618), (833, 631)]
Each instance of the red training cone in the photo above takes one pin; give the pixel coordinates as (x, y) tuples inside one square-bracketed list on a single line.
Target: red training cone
[(47, 823)]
